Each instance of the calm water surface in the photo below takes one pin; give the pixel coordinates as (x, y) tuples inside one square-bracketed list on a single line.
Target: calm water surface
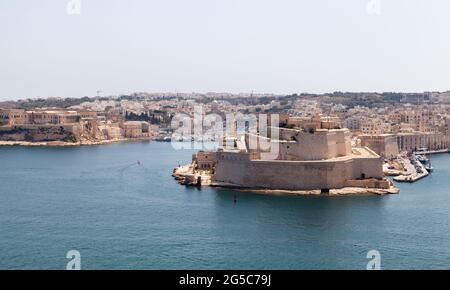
[(120, 215)]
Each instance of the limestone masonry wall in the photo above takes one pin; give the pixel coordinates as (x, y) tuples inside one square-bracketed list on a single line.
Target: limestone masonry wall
[(239, 170)]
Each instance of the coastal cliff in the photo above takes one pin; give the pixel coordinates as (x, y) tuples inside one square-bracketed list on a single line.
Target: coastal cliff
[(41, 133)]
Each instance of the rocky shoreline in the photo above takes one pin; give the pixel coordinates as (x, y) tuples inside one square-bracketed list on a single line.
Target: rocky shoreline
[(346, 191), (331, 192)]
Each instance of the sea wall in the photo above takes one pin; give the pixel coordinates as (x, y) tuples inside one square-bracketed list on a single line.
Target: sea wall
[(369, 183), (239, 170)]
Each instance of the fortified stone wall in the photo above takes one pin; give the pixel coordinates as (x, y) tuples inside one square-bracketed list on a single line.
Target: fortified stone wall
[(369, 183), (321, 144), (384, 145), (239, 170), (366, 168)]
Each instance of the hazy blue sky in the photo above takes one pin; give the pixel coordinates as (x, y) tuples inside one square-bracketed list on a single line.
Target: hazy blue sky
[(280, 46)]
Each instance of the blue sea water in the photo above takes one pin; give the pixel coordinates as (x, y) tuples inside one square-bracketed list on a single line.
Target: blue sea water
[(122, 215)]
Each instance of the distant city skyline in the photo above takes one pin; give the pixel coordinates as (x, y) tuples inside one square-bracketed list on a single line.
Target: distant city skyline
[(265, 46)]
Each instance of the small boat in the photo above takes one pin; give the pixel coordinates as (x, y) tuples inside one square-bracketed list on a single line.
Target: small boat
[(428, 167), (422, 158), (163, 139)]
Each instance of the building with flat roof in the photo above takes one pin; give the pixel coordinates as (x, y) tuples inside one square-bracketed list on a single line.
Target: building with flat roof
[(413, 141)]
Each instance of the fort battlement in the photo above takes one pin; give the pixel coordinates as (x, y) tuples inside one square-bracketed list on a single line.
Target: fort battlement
[(317, 160)]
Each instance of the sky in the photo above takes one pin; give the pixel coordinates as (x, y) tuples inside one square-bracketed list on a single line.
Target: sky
[(273, 46)]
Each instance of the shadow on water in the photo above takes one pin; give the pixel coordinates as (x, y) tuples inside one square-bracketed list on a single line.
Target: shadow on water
[(299, 211)]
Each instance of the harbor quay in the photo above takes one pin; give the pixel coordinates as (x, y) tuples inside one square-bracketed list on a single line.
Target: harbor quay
[(415, 167)]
